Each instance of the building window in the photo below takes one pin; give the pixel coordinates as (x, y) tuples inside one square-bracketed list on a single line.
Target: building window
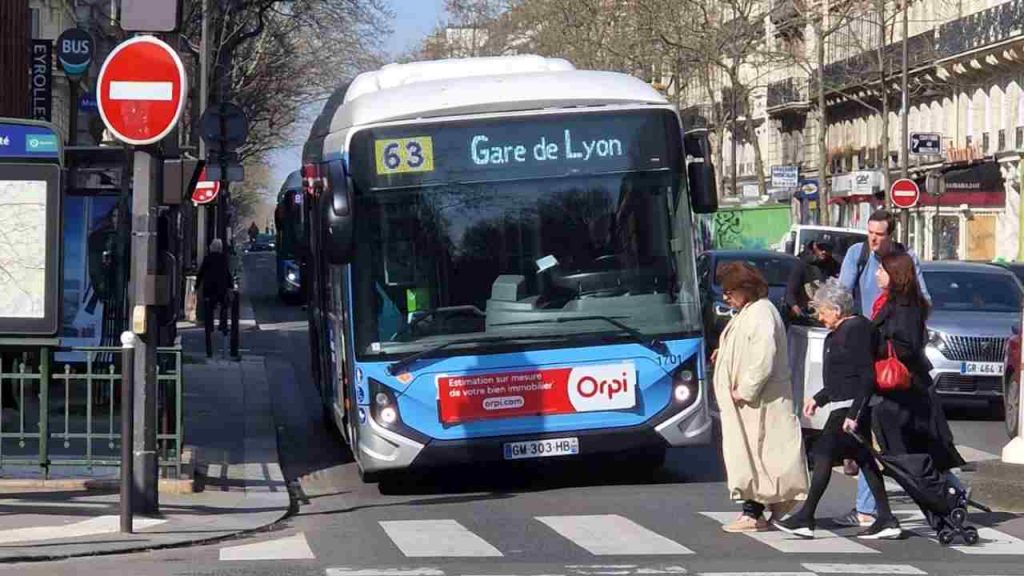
[(984, 142), (1002, 139), (969, 140), (1019, 138)]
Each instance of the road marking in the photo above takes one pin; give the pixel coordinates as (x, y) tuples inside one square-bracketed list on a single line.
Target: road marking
[(156, 91), (758, 574), (992, 542), (91, 527), (384, 572), (863, 569), (291, 548), (975, 455), (436, 538), (611, 534), (824, 542)]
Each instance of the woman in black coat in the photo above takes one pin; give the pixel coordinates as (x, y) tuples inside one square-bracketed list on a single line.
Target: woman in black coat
[(909, 421)]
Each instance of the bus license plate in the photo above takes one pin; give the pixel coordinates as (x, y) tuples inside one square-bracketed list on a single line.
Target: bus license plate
[(542, 448), (981, 368)]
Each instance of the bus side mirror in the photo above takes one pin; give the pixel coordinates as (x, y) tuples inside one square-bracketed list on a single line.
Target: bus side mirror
[(337, 215), (700, 174)]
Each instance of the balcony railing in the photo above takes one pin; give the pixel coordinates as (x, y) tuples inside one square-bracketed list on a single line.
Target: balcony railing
[(981, 29), (962, 35), (788, 92)]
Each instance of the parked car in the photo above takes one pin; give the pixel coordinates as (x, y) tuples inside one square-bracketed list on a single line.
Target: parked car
[(262, 243), (974, 309), (1011, 384), (775, 266), (1016, 267)]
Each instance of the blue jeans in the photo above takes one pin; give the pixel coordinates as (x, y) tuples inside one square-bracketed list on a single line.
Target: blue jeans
[(866, 502)]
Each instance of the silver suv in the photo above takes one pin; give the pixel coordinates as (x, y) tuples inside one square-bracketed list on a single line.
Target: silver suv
[(974, 309)]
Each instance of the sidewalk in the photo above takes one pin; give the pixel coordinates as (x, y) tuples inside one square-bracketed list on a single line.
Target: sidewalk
[(238, 483)]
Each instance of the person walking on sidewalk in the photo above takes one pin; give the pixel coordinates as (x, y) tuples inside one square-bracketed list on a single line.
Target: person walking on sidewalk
[(214, 281), (762, 444), (909, 421), (858, 275), (848, 374)]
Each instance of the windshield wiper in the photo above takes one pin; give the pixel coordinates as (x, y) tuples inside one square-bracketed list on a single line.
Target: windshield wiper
[(653, 344), (399, 366)]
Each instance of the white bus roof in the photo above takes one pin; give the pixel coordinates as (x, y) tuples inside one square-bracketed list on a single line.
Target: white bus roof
[(478, 86), (396, 75)]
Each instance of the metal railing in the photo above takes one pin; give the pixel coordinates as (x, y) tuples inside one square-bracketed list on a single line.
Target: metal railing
[(68, 413)]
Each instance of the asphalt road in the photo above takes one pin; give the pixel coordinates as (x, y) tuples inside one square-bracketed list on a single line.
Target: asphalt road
[(605, 519)]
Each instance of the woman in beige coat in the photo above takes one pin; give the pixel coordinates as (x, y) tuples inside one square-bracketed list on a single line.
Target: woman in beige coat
[(762, 445)]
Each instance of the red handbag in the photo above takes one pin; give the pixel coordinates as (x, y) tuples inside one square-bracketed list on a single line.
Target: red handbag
[(890, 374)]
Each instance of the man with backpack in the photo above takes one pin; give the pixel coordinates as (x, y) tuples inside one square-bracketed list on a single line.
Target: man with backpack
[(859, 266), (858, 275)]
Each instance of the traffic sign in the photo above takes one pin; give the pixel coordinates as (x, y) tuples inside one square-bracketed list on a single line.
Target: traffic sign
[(925, 143), (206, 190), (904, 193), (74, 51), (224, 126), (141, 90)]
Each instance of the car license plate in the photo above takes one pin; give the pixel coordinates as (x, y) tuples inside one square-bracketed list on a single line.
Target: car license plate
[(981, 368), (542, 448)]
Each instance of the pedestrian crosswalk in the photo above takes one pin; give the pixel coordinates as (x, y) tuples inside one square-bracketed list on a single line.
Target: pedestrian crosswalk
[(613, 535)]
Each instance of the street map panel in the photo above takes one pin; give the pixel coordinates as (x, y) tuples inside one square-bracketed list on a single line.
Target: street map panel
[(22, 248)]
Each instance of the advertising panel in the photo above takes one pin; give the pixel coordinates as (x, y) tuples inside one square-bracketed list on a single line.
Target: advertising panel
[(564, 390), (94, 264)]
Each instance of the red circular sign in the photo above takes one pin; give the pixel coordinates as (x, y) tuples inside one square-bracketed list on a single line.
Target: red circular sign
[(904, 193), (206, 190), (141, 90)]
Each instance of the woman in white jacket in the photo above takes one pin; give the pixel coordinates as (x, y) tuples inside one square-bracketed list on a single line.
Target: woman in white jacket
[(762, 445)]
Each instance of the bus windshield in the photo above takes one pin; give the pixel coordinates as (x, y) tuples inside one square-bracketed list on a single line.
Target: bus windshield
[(463, 261)]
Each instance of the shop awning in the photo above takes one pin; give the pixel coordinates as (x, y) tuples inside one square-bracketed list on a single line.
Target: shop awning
[(978, 186)]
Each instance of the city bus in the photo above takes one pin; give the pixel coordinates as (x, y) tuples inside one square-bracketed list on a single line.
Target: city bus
[(501, 265), (290, 237)]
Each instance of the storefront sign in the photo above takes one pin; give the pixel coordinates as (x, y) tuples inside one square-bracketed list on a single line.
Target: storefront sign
[(861, 182), (534, 392), (978, 186), (41, 83), (785, 176)]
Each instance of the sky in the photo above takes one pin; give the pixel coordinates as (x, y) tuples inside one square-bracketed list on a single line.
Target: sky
[(413, 20)]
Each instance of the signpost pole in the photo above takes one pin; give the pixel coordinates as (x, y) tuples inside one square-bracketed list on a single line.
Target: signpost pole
[(905, 132), (145, 326)]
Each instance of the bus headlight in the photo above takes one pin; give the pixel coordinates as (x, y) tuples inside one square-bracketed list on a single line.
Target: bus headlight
[(685, 386), (388, 415)]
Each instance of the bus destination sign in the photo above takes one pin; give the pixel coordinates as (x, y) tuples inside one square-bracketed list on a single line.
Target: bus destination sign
[(529, 147)]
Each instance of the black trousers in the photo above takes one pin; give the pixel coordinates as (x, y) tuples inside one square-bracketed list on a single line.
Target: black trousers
[(210, 305), (834, 444)]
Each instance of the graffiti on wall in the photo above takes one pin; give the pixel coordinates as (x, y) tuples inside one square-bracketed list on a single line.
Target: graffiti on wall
[(758, 228)]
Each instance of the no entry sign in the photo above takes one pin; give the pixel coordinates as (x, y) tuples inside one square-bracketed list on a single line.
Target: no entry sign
[(206, 190), (141, 90), (904, 193)]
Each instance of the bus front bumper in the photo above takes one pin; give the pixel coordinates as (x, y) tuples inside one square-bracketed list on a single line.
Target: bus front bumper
[(381, 449)]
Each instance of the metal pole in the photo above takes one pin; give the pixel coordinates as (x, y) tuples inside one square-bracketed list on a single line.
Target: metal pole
[(234, 324), (204, 98), (72, 112), (127, 415), (145, 326), (905, 131)]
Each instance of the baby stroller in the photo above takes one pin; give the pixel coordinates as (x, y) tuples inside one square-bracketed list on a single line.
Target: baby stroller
[(944, 506)]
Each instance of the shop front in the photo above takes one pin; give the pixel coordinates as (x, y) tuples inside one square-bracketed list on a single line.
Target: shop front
[(965, 220), (854, 196)]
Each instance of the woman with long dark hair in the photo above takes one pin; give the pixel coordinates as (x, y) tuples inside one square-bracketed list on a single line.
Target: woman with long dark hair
[(912, 420)]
